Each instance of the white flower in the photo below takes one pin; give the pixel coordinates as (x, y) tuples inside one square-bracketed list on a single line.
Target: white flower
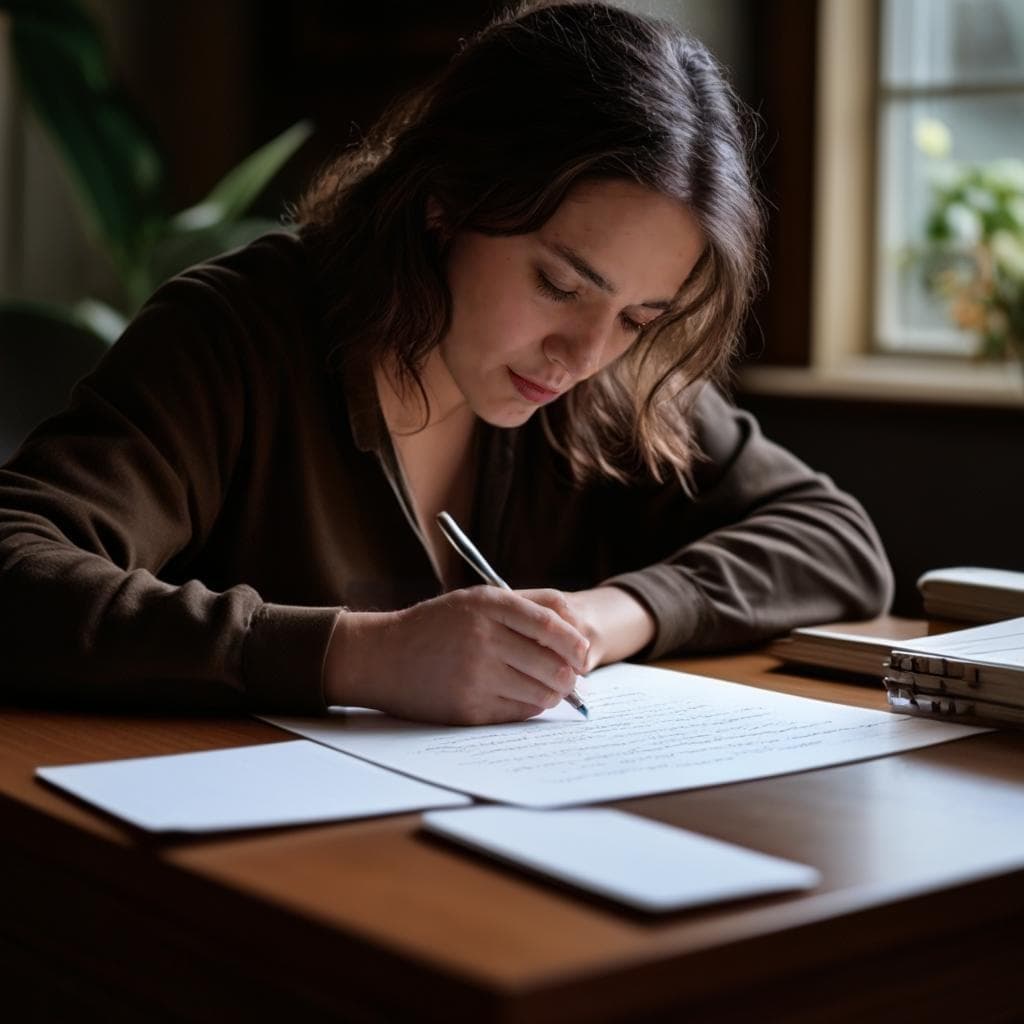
[(1008, 253), (933, 138), (980, 199), (964, 224), (945, 175), (1006, 174)]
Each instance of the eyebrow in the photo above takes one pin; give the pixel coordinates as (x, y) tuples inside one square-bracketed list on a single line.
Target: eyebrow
[(584, 269)]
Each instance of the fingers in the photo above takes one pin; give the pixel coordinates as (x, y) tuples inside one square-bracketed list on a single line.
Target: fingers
[(514, 711), (541, 624), (550, 679), (559, 603), (483, 655), (505, 695)]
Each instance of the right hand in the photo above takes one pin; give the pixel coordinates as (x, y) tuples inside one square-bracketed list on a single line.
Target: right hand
[(469, 657)]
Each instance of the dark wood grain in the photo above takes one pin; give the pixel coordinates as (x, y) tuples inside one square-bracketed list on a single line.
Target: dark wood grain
[(921, 905)]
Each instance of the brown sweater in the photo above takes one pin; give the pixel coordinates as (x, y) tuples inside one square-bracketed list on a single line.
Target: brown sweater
[(183, 535)]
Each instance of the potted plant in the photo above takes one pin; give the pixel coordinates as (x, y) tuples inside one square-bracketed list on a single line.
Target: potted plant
[(974, 243), (117, 168)]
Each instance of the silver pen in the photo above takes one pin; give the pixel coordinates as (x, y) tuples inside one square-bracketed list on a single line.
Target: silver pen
[(471, 554)]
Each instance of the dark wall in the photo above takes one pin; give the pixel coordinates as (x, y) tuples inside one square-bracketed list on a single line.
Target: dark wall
[(944, 485), (216, 80)]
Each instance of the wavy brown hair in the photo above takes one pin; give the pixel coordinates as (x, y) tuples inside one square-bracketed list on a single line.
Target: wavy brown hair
[(547, 96)]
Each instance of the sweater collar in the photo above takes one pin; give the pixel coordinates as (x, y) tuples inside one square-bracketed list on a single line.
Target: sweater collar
[(496, 454), (365, 416)]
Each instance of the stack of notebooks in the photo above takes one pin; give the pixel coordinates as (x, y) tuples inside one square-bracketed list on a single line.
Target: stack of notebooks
[(843, 647), (973, 675), (970, 594), (970, 675)]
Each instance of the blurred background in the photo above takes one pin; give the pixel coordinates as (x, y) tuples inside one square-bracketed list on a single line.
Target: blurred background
[(887, 348)]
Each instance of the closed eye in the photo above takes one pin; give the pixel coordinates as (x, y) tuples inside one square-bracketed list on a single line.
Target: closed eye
[(552, 291), (547, 287)]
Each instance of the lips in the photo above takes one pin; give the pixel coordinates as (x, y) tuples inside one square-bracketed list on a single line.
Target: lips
[(531, 390)]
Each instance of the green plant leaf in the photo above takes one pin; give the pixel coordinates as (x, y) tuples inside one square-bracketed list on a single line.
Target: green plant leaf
[(116, 167), (103, 320), (48, 317), (240, 187)]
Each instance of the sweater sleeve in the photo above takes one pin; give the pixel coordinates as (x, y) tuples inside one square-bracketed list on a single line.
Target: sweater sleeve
[(776, 546), (100, 499)]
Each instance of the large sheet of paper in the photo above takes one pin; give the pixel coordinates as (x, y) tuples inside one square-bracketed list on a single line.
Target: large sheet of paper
[(650, 731), (289, 783)]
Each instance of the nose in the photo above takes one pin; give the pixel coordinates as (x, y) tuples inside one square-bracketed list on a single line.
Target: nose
[(577, 348)]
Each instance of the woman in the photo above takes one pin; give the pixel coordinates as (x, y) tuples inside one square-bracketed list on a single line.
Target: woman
[(511, 302)]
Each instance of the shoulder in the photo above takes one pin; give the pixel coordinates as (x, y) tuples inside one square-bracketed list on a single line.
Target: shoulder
[(231, 334), (736, 458), (252, 306), (719, 426), (267, 280)]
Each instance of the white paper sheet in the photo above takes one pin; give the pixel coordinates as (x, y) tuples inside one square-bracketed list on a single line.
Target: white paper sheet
[(998, 643), (288, 783), (642, 863), (650, 731)]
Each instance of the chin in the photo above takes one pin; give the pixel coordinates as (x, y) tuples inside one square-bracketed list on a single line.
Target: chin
[(506, 417)]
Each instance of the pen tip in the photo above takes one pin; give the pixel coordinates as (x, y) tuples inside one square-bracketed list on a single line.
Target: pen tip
[(584, 711)]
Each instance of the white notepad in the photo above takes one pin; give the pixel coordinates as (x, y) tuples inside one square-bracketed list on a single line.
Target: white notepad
[(628, 859), (291, 783)]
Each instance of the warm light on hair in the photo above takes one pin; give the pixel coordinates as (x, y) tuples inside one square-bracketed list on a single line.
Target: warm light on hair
[(542, 99)]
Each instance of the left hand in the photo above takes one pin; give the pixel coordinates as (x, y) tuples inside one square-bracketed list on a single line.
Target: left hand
[(616, 623)]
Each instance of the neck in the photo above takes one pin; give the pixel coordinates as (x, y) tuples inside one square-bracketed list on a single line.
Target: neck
[(402, 404)]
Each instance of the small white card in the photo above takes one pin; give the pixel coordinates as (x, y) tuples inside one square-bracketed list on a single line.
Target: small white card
[(641, 863), (290, 783)]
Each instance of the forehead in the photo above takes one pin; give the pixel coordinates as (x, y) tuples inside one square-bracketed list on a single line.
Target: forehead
[(635, 237)]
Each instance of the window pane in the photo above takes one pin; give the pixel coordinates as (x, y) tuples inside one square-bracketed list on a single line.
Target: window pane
[(983, 128), (952, 42)]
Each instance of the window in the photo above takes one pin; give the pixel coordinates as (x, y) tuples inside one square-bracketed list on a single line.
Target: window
[(950, 64), (875, 331)]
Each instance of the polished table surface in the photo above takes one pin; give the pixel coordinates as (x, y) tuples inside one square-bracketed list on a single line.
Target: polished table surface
[(920, 914)]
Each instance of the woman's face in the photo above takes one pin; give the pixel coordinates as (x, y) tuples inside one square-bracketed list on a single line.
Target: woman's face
[(534, 314)]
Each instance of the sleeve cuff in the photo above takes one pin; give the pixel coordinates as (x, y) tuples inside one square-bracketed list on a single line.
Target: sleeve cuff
[(283, 658), (674, 602)]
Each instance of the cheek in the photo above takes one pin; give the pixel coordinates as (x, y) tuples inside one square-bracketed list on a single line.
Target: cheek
[(491, 324), (615, 349)]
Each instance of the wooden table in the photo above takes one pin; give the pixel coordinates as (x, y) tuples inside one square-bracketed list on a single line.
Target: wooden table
[(920, 915)]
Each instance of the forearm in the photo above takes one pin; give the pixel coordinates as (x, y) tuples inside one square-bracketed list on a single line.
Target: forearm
[(763, 544), (615, 622), (348, 678), (76, 628), (809, 559)]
